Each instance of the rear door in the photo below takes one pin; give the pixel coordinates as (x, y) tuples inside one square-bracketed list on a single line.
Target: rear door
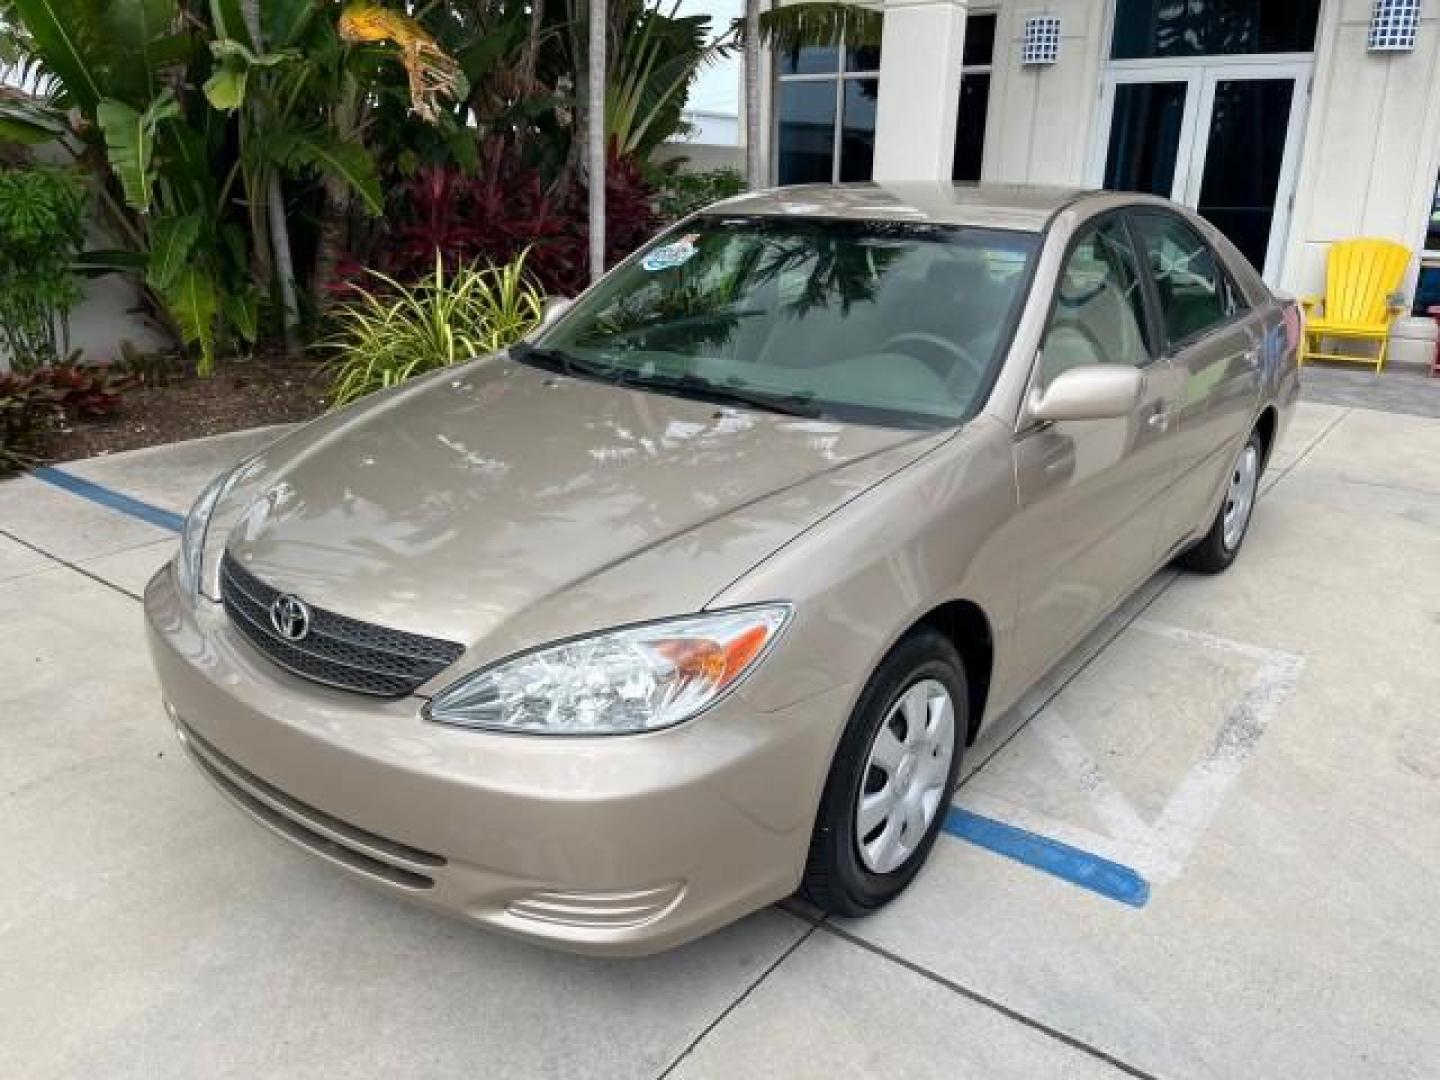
[(1210, 336), (1090, 491)]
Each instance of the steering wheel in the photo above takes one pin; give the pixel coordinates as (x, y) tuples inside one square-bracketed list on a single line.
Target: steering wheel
[(919, 343)]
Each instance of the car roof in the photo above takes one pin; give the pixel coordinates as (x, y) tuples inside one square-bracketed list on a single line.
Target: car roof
[(1026, 207)]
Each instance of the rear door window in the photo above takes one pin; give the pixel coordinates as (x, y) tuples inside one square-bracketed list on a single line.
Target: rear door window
[(1194, 292)]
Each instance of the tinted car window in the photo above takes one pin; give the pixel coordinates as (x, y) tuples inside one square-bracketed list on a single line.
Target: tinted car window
[(882, 322), (1195, 294), (1099, 314)]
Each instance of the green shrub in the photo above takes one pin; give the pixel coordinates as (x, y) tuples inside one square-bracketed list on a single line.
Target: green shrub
[(400, 331), (42, 226), (682, 192)]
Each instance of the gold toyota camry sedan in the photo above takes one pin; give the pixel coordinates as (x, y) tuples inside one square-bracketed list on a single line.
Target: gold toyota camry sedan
[(698, 596)]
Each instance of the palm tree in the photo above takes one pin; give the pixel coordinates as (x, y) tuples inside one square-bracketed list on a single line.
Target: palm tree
[(753, 179), (595, 136), (282, 261)]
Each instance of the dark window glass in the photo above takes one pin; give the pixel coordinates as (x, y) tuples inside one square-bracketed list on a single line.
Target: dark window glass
[(866, 59), (1099, 315), (1432, 233), (1427, 288), (1145, 28), (810, 60), (857, 135), (806, 143), (1427, 291), (979, 40), (1242, 161), (970, 127), (1145, 137), (1194, 293)]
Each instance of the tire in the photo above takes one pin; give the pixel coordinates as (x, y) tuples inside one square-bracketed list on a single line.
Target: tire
[(1221, 544), (845, 875)]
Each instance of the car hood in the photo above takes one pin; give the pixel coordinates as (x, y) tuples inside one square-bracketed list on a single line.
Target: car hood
[(500, 497)]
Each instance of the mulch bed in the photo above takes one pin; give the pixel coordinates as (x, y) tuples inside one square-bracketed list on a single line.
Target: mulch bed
[(239, 395)]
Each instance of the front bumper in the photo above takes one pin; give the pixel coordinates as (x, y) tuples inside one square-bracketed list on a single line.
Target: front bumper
[(619, 845)]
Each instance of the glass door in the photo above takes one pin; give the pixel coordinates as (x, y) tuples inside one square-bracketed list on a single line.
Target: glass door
[(1242, 178), (1220, 137), (1148, 132)]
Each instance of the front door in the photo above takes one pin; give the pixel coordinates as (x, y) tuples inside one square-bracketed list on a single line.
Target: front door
[(1091, 491), (1220, 136)]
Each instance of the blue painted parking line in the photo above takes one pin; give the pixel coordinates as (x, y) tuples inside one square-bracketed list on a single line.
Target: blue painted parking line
[(1102, 876), (108, 497)]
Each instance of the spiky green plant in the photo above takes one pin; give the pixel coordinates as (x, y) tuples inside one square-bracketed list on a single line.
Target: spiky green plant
[(396, 332)]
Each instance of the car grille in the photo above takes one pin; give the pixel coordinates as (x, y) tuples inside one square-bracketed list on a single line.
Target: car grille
[(341, 652)]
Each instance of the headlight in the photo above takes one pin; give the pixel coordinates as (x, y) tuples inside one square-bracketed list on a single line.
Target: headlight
[(189, 558), (637, 679)]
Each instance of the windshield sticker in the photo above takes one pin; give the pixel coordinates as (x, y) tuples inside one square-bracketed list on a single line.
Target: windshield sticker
[(671, 255)]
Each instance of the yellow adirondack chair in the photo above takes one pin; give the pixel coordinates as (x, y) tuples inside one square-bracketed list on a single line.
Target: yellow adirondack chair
[(1361, 280)]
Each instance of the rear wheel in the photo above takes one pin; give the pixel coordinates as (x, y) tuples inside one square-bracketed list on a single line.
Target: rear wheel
[(1217, 550), (891, 782)]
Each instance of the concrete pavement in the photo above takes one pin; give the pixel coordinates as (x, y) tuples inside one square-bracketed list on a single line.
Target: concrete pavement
[(1261, 749)]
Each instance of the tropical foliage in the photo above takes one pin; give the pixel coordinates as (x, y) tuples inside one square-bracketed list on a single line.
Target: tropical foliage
[(396, 331), (681, 192), (790, 27), (42, 226), (249, 157)]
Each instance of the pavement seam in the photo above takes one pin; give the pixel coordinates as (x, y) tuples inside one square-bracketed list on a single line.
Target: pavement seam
[(70, 566), (982, 1000), (740, 1000), (1313, 445)]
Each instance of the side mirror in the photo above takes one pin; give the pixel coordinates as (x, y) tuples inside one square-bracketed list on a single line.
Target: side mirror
[(1091, 392), (555, 306)]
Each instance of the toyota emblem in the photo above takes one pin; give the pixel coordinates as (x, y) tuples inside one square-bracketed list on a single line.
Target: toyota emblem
[(290, 616)]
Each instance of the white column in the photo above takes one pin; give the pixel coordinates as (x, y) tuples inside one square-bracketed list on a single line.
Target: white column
[(919, 89)]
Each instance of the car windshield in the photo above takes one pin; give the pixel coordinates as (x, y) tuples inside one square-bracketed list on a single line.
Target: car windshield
[(880, 322)]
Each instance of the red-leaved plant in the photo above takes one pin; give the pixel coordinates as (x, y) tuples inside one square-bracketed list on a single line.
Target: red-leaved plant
[(505, 209), (33, 401)]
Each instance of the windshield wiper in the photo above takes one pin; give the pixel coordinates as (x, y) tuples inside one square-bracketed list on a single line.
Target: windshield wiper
[(703, 389), (567, 363)]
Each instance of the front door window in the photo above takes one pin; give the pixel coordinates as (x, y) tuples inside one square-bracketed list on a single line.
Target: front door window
[(1099, 315)]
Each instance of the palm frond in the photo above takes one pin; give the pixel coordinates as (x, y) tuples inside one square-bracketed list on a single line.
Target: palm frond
[(820, 23)]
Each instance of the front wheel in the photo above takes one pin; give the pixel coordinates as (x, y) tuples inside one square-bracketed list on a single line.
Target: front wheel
[(1218, 548), (891, 782)]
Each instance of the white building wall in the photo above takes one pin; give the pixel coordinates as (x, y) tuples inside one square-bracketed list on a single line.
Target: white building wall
[(1041, 118), (1369, 153), (1372, 144)]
